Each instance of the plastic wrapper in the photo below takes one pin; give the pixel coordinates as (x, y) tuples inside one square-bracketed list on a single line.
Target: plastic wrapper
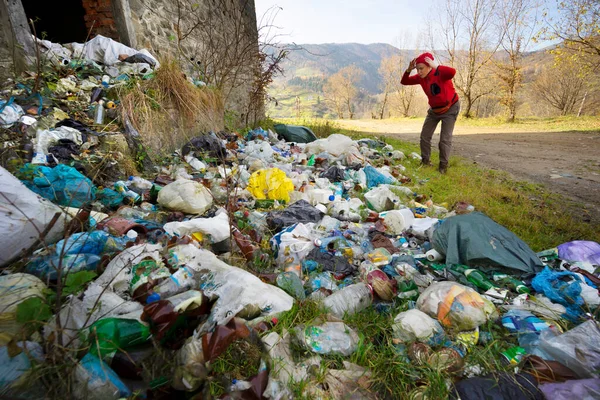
[(187, 196), (9, 113)]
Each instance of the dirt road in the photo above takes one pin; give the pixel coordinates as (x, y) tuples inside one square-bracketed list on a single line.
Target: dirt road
[(565, 162)]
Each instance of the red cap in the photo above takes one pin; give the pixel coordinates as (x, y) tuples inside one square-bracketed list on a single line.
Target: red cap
[(421, 58)]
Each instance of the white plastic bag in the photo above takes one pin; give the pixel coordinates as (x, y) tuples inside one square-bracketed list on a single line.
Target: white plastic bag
[(217, 227), (415, 326), (24, 215), (233, 288), (187, 196), (15, 289), (106, 51), (335, 144), (260, 150), (328, 338), (382, 198), (10, 114), (46, 138)]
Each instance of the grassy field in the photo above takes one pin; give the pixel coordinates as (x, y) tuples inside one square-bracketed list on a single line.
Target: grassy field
[(533, 213)]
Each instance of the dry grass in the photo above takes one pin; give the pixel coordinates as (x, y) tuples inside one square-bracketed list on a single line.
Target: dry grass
[(168, 110)]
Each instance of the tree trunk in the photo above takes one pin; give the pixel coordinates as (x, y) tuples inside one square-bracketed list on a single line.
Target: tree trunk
[(468, 107), (383, 105), (581, 105)]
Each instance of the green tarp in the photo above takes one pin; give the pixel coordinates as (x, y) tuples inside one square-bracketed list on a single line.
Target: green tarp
[(477, 241), (295, 133)]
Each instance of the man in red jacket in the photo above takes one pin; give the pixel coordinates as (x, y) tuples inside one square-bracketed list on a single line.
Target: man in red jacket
[(436, 82)]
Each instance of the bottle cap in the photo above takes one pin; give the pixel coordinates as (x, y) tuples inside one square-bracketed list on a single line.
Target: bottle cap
[(153, 298), (331, 197)]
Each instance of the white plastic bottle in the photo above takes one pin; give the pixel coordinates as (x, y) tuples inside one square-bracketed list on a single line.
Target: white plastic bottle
[(139, 183)]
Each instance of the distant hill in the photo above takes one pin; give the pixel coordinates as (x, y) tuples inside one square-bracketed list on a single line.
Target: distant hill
[(308, 66)]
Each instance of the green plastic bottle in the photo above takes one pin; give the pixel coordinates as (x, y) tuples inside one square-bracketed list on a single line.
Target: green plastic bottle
[(311, 161), (110, 334)]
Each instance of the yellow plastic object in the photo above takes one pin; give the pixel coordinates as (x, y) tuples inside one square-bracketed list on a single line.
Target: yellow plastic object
[(270, 184), (197, 236)]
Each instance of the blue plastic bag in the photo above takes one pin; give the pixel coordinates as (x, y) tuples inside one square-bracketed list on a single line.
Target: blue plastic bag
[(46, 267), (376, 178), (551, 284), (83, 243), (62, 184)]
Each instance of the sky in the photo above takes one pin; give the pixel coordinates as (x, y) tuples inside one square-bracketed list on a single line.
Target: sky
[(352, 21), (346, 21)]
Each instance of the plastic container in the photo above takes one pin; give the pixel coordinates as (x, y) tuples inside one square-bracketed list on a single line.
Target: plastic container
[(122, 188), (349, 300), (110, 334), (398, 221), (99, 113)]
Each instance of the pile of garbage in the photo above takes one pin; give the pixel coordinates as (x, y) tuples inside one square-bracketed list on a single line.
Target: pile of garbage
[(180, 283)]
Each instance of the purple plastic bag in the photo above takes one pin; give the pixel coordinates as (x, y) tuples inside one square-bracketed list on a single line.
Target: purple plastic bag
[(569, 390), (580, 250)]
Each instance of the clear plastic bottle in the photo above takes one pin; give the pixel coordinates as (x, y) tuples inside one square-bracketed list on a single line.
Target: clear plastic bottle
[(99, 113), (351, 299)]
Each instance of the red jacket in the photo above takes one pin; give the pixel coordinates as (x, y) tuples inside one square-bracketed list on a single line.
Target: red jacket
[(437, 85)]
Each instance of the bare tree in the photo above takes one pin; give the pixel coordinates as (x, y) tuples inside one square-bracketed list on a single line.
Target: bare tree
[(341, 90), (399, 96), (470, 38), (562, 86), (577, 28), (518, 21)]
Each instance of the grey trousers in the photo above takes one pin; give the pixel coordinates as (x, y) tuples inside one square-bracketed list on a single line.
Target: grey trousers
[(431, 121)]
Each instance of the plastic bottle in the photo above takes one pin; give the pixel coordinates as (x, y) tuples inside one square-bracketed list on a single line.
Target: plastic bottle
[(181, 280), (290, 283), (110, 334), (105, 80), (140, 183), (350, 300), (99, 113), (121, 187)]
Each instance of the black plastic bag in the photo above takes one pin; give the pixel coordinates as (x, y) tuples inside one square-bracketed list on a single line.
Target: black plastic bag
[(300, 211), (206, 144), (330, 262), (501, 386), (334, 174)]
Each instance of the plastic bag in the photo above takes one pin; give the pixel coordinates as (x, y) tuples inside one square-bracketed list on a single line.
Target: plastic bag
[(328, 338), (416, 326), (217, 227), (335, 144), (9, 113), (556, 288), (584, 389), (232, 288), (187, 196), (294, 242), (94, 379), (259, 150), (106, 51), (62, 184), (284, 368), (14, 371), (15, 289), (456, 306), (376, 178), (330, 262), (382, 198), (577, 349), (270, 184), (299, 212), (23, 216), (580, 250)]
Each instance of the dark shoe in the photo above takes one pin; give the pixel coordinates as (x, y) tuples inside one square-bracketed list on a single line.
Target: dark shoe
[(443, 169), (425, 163)]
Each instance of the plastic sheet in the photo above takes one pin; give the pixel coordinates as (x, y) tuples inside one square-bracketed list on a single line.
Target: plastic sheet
[(414, 325), (329, 338), (580, 250), (217, 227), (23, 217)]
